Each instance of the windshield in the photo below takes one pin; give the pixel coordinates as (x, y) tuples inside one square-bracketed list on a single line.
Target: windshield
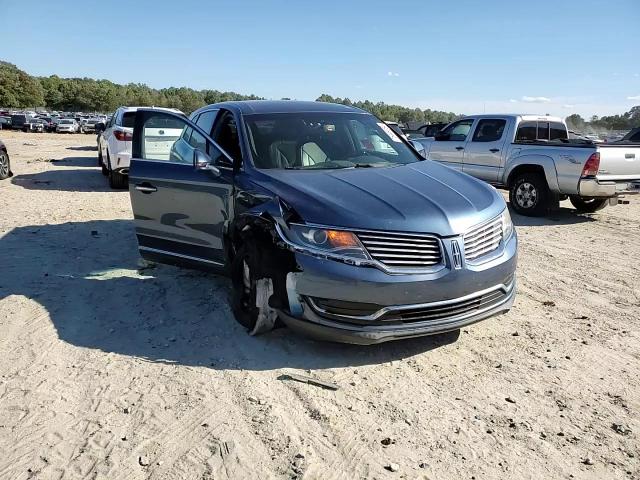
[(67, 122), (324, 140)]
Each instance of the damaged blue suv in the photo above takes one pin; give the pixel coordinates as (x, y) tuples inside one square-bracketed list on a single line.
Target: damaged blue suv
[(323, 217)]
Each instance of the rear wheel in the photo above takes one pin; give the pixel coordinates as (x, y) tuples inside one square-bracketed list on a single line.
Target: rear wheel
[(588, 205), (5, 167), (118, 181), (529, 194)]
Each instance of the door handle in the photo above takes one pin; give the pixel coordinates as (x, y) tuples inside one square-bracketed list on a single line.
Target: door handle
[(146, 188), (459, 148), (494, 150)]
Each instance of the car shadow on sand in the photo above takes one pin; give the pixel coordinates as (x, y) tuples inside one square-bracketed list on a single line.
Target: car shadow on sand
[(77, 180), (76, 162), (84, 148), (561, 216), (86, 275)]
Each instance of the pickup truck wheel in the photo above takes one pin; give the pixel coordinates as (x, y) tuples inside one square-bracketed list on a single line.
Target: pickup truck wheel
[(529, 194), (588, 205)]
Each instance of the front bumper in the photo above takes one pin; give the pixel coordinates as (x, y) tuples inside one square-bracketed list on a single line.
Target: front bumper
[(434, 303), (592, 187)]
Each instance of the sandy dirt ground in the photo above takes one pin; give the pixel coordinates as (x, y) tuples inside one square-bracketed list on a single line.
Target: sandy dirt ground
[(108, 372)]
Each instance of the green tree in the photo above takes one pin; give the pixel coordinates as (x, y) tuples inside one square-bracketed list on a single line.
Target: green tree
[(19, 89)]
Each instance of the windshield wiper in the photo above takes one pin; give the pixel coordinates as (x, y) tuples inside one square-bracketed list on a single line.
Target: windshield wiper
[(374, 164)]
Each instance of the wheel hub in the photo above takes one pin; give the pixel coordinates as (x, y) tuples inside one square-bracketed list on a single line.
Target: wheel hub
[(4, 166), (526, 195)]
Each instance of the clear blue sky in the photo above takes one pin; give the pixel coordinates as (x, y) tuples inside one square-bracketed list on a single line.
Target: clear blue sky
[(467, 56)]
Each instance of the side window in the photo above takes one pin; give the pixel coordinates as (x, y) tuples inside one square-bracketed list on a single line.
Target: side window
[(225, 134), (489, 130), (635, 137), (206, 119), (128, 119), (158, 140), (198, 141), (458, 131)]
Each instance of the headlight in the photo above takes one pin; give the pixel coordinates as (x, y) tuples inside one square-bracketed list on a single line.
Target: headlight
[(339, 242), (507, 225)]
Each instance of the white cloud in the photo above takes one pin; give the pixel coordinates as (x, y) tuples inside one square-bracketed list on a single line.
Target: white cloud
[(568, 105), (513, 100), (636, 74), (528, 99), (635, 97), (393, 74)]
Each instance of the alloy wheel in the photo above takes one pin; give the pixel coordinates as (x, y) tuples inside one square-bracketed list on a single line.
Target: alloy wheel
[(526, 195), (4, 166)]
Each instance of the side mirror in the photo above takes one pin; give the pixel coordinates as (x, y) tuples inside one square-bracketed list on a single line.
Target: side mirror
[(419, 148), (202, 161), (439, 136)]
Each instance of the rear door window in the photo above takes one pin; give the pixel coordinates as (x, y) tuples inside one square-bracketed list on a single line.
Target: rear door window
[(489, 130)]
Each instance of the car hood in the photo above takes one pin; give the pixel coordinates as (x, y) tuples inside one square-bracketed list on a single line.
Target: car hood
[(423, 197)]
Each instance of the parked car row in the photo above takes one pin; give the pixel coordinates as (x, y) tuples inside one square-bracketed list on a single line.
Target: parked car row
[(28, 122)]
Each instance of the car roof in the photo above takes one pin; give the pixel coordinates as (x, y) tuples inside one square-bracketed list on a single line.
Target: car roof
[(133, 109), (248, 107), (523, 116)]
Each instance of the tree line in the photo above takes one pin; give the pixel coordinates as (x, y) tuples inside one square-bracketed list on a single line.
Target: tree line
[(18, 89), (21, 90), (626, 121)]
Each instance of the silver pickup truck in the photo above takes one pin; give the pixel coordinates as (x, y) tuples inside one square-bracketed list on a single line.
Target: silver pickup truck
[(532, 156)]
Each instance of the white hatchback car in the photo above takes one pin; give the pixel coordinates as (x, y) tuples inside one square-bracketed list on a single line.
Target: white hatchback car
[(114, 144)]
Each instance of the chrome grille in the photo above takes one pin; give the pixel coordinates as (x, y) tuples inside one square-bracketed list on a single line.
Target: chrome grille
[(448, 310), (402, 250), (372, 314), (483, 239)]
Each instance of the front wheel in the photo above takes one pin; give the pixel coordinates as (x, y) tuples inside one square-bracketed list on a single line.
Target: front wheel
[(588, 205), (529, 194), (251, 291)]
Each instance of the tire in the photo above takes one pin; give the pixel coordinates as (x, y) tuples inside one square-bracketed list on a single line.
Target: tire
[(118, 181), (529, 194), (244, 272), (588, 205), (100, 163), (5, 166)]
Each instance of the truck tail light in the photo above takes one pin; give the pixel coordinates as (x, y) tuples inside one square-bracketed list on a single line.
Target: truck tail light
[(123, 136), (592, 165)]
